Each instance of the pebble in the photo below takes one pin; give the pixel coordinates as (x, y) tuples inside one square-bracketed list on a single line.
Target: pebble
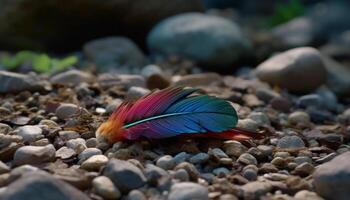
[(247, 159), (44, 186), (248, 124), (104, 187), (30, 133), (279, 162), (301, 159), (124, 175), (266, 95), (305, 194), (188, 190), (4, 168), (34, 155), (199, 158), (290, 142), (218, 153), (94, 163), (250, 174), (234, 148), (181, 157), (331, 179), (136, 92), (67, 110), (87, 153), (196, 80), (166, 162), (298, 70), (190, 168), (260, 118), (254, 190), (68, 135), (310, 100), (299, 117), (4, 128), (221, 171), (78, 145), (304, 169), (91, 143), (181, 175), (15, 82), (71, 77), (136, 195), (65, 153)]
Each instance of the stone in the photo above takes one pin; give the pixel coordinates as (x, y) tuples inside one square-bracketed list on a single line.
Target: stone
[(196, 80), (71, 78), (250, 174), (40, 186), (154, 173), (34, 155), (65, 153), (260, 118), (68, 135), (332, 179), (281, 104), (188, 190), (304, 194), (299, 117), (337, 77), (181, 175), (279, 162), (221, 171), (136, 195), (190, 168), (124, 175), (234, 148), (304, 169), (111, 53), (166, 162), (94, 163), (266, 95), (78, 145), (4, 128), (310, 100), (248, 124), (254, 190), (136, 92), (297, 32), (181, 157), (328, 97), (290, 142), (14, 82), (104, 187), (199, 158), (247, 159), (87, 153), (84, 21), (217, 153), (199, 37), (299, 70), (67, 110), (30, 133), (91, 143), (4, 168)]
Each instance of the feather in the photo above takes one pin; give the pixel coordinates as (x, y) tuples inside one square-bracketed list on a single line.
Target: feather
[(171, 112)]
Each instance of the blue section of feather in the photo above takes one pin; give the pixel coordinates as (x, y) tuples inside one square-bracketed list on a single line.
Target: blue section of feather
[(198, 114)]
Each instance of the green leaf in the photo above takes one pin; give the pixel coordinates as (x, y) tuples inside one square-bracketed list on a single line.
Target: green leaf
[(42, 63), (65, 62)]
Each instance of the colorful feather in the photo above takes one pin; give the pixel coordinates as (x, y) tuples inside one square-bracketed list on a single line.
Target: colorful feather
[(172, 112)]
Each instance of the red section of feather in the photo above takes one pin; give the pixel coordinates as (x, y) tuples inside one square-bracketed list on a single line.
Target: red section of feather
[(232, 134)]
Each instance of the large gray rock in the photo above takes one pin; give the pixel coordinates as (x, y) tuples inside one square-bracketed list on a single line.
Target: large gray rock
[(68, 25), (337, 77), (41, 186), (124, 175), (114, 52), (299, 70), (204, 38), (14, 82), (30, 133), (71, 78), (188, 190), (332, 179)]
